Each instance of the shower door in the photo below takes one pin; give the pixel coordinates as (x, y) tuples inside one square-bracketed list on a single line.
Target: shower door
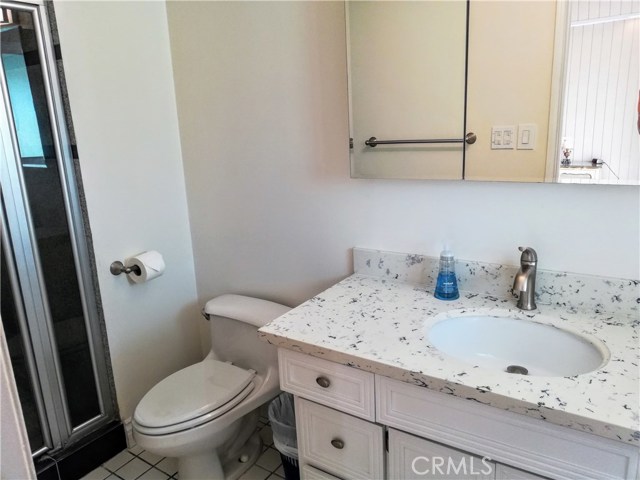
[(49, 305)]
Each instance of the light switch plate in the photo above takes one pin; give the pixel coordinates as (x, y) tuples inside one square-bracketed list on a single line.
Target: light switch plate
[(503, 137), (527, 135)]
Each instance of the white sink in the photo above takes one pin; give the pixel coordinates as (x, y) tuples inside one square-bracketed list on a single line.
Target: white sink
[(501, 343)]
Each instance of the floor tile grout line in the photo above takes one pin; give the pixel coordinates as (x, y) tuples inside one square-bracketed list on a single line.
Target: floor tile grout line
[(111, 472), (114, 471), (277, 467), (154, 468), (146, 471), (152, 464)]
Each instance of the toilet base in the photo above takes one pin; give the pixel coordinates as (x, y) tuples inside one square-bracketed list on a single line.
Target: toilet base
[(245, 459), (206, 465)]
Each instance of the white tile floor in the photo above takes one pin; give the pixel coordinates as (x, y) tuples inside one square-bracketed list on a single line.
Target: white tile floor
[(137, 464)]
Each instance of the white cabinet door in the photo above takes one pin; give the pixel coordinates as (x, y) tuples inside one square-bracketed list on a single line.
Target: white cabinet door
[(528, 443), (338, 443), (413, 457)]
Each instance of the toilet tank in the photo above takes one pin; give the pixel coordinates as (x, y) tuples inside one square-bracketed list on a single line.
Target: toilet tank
[(235, 320)]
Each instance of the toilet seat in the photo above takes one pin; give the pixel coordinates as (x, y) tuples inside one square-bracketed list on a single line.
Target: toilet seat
[(192, 396)]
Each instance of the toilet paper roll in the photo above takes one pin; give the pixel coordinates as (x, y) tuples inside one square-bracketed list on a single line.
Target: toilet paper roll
[(151, 265)]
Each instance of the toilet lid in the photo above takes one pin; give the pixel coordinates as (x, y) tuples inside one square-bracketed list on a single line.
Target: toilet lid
[(192, 392)]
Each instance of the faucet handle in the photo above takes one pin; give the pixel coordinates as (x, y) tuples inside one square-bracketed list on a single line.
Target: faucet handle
[(529, 255)]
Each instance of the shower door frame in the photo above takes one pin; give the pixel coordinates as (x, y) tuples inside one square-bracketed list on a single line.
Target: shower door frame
[(18, 237)]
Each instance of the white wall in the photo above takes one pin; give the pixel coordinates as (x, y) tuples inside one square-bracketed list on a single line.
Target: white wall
[(262, 102), (15, 454), (118, 71)]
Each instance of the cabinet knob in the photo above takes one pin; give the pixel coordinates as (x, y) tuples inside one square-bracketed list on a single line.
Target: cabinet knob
[(323, 382), (337, 443)]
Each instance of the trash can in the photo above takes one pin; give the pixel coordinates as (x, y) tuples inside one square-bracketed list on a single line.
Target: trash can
[(282, 416)]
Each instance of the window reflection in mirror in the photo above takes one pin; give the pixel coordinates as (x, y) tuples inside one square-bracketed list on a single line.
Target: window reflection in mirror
[(599, 133)]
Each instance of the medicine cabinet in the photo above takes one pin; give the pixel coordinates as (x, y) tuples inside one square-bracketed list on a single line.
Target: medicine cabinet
[(536, 83)]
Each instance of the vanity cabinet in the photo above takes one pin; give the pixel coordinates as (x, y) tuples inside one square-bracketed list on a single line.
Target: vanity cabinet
[(413, 458), (525, 443), (335, 414), (354, 424)]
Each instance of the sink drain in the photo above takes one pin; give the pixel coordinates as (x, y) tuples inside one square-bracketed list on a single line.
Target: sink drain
[(517, 369)]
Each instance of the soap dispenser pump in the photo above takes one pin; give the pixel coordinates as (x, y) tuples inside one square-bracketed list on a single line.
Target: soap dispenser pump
[(447, 284)]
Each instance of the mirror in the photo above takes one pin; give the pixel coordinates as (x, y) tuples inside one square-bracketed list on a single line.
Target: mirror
[(537, 82), (600, 110), (396, 94)]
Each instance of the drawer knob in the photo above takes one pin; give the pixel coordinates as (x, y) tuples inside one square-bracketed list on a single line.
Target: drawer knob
[(337, 443), (323, 382)]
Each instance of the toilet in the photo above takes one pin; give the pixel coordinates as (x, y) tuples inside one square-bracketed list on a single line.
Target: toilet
[(205, 415)]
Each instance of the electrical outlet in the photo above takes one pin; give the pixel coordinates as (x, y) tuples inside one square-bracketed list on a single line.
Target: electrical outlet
[(503, 137)]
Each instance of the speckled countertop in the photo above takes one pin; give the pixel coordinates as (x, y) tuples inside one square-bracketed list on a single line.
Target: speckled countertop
[(378, 324)]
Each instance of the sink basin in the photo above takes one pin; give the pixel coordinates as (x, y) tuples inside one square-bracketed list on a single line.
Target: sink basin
[(517, 346)]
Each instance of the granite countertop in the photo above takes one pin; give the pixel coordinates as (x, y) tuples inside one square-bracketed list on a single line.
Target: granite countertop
[(378, 325)]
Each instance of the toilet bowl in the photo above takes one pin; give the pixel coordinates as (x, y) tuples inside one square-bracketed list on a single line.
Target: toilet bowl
[(205, 415)]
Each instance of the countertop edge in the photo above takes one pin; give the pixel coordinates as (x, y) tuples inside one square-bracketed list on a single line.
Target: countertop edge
[(538, 412)]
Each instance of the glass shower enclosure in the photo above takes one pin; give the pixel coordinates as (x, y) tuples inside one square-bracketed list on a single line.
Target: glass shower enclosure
[(49, 306)]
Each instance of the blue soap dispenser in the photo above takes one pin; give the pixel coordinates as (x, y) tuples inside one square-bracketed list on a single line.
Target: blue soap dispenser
[(447, 284)]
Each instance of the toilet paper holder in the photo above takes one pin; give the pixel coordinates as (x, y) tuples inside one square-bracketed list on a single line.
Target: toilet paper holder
[(118, 267)]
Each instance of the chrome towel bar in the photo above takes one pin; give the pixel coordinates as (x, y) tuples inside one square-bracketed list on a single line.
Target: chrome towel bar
[(469, 138)]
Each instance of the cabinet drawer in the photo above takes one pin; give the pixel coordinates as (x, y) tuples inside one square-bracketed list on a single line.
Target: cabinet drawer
[(347, 389), (310, 473), (339, 443)]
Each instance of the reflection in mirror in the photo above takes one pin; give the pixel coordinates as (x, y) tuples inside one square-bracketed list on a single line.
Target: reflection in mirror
[(406, 82), (546, 81), (600, 130), (510, 63)]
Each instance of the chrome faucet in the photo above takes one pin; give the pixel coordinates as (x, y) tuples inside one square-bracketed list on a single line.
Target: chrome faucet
[(524, 283)]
